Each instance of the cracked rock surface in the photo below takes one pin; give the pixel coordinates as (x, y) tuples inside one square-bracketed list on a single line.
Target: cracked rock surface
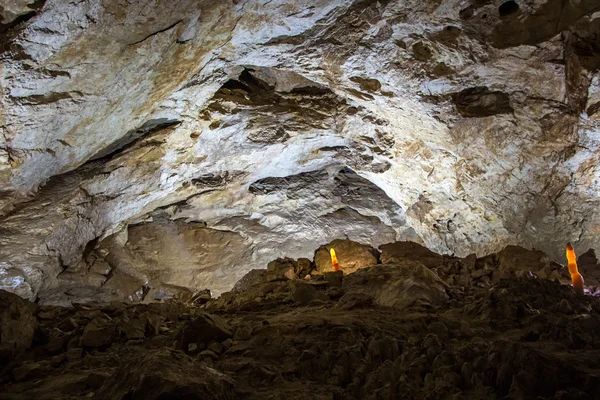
[(156, 148)]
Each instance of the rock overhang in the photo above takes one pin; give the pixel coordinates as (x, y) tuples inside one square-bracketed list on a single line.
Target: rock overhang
[(468, 146)]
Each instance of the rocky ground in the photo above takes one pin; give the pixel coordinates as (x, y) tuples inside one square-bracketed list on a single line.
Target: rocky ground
[(420, 325), (135, 135)]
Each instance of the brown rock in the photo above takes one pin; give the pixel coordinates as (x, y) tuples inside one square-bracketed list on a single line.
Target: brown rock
[(366, 84), (165, 374), (243, 333), (281, 269), (439, 329), (17, 322), (466, 373), (56, 344), (481, 102), (516, 258), (95, 379), (399, 251), (99, 332), (227, 344), (215, 347), (59, 359), (303, 267), (208, 354), (201, 297), (28, 370), (398, 285), (304, 293), (334, 277), (352, 301), (351, 256), (133, 328), (422, 51), (589, 268), (74, 354), (523, 383), (204, 328)]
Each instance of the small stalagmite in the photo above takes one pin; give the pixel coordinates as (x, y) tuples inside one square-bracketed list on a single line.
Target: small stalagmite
[(576, 277), (334, 261)]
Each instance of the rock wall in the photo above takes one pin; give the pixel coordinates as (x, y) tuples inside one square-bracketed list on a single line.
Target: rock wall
[(464, 125)]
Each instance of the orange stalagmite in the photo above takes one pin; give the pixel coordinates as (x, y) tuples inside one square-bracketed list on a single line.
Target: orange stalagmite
[(334, 261), (576, 277)]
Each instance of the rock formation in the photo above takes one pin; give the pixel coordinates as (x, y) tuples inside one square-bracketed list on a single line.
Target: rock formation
[(415, 328), (163, 147)]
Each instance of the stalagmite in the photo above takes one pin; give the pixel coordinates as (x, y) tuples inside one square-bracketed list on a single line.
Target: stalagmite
[(334, 261), (576, 277)]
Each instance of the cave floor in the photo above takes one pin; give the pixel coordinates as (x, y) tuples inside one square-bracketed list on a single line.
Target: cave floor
[(518, 338)]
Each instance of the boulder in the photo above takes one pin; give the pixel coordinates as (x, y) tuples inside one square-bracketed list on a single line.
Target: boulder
[(133, 328), (334, 277), (251, 279), (303, 267), (204, 328), (281, 269), (165, 374), (400, 251), (518, 261), (514, 258), (398, 285), (351, 256), (99, 332), (17, 322), (304, 293), (589, 268), (201, 297)]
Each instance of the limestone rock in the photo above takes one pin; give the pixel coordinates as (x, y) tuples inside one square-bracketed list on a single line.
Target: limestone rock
[(393, 331), (185, 146), (481, 102), (251, 279), (281, 269), (351, 256), (12, 10), (99, 332), (304, 293), (334, 278), (398, 285), (28, 370), (205, 328), (589, 268), (400, 251), (164, 374), (17, 322)]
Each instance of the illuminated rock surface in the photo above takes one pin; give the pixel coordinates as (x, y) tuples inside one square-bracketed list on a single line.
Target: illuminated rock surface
[(153, 149)]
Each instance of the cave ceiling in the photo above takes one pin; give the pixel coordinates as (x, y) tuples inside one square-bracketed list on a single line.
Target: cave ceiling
[(184, 143)]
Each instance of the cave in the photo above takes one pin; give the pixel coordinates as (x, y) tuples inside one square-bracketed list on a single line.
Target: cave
[(508, 8), (279, 199)]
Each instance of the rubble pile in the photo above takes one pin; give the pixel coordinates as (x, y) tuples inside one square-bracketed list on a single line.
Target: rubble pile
[(414, 325)]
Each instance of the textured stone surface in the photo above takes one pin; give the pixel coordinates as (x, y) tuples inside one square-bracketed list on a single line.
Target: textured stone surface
[(398, 285), (465, 127), (12, 10), (17, 323), (388, 332), (351, 256), (399, 251), (166, 374)]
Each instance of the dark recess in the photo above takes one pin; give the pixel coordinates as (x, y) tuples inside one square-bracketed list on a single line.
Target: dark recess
[(481, 102), (507, 8)]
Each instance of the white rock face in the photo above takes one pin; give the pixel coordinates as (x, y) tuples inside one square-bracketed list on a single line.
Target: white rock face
[(466, 127)]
